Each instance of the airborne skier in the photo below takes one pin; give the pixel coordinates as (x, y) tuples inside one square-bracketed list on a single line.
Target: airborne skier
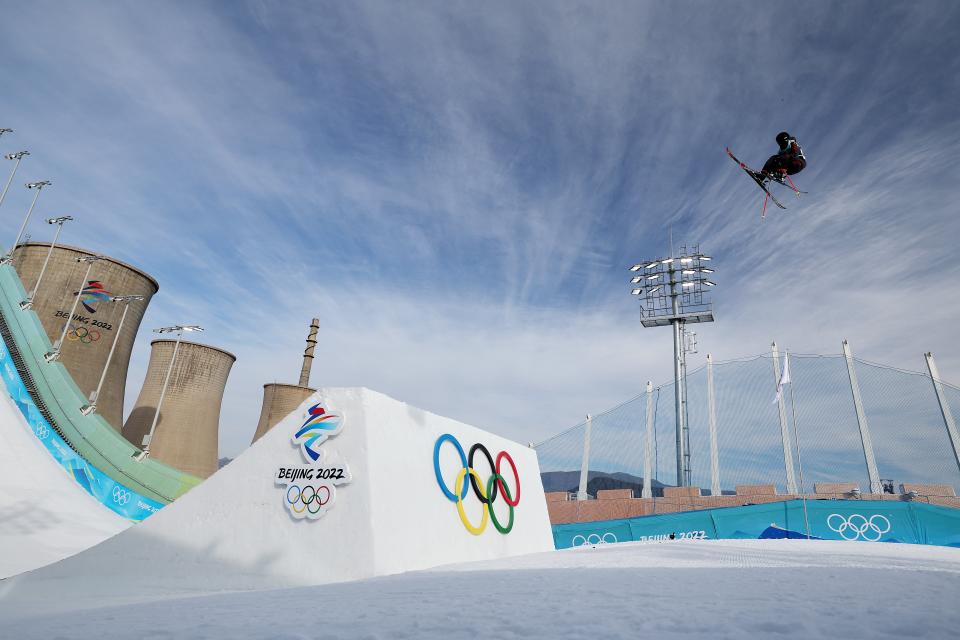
[(778, 168), (786, 162)]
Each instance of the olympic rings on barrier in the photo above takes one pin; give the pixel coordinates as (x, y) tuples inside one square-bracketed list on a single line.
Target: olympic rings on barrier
[(857, 526), (88, 335), (300, 498), (584, 540), (495, 486)]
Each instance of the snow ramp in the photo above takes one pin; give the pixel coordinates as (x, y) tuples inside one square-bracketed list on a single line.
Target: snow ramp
[(353, 484), (45, 515)]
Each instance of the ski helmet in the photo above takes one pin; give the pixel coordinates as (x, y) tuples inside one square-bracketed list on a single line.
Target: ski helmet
[(782, 138)]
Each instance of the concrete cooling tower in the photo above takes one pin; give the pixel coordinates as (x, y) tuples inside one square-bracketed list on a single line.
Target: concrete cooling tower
[(280, 399), (186, 436), (95, 322)]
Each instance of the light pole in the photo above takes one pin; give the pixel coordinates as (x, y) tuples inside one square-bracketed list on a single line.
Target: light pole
[(30, 185), (90, 408), (147, 439), (26, 304), (55, 354), (18, 156), (672, 290)]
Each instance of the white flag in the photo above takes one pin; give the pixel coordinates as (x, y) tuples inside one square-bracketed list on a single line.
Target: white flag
[(784, 378)]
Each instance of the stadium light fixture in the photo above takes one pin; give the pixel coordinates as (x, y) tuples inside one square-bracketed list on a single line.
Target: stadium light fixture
[(30, 185), (147, 439), (95, 394), (18, 156), (677, 299), (54, 355), (636, 279), (28, 303), (636, 267)]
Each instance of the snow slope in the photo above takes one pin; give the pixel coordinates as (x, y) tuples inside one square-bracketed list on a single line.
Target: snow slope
[(44, 514), (682, 589), (235, 532)]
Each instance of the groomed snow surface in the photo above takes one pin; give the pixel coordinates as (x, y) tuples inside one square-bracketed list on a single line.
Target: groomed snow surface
[(681, 589), (45, 515)]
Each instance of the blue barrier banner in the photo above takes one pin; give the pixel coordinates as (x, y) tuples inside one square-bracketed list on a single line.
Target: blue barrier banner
[(110, 493), (853, 520)]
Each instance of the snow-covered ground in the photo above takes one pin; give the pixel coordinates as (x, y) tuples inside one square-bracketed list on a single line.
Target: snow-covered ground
[(696, 589), (44, 514)]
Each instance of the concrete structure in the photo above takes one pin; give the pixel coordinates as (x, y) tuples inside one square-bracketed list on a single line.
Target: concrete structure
[(187, 432), (84, 352), (280, 399)]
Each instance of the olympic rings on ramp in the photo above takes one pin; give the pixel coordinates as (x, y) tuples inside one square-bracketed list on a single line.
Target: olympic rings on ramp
[(298, 496), (857, 526), (487, 493)]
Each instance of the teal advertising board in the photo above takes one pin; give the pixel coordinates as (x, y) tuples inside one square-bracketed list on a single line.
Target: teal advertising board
[(853, 520)]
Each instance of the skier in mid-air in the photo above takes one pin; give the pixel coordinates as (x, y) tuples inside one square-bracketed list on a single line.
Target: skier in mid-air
[(785, 163), (788, 161)]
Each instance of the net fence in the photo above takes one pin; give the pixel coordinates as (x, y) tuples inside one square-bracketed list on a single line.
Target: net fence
[(902, 417)]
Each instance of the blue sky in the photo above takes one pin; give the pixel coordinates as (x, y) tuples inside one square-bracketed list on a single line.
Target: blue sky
[(456, 189)]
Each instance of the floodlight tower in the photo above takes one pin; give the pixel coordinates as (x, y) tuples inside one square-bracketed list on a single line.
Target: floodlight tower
[(673, 291)]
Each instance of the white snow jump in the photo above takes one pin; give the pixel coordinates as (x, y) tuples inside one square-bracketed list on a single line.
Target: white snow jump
[(45, 515), (353, 484)]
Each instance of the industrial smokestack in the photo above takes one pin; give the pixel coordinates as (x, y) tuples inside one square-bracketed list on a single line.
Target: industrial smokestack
[(187, 434), (280, 399), (94, 324), (308, 353)]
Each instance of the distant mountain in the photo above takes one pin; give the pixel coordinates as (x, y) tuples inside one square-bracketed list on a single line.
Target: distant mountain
[(597, 480)]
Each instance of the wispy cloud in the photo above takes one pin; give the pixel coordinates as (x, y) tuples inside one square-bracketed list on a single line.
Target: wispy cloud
[(456, 189)]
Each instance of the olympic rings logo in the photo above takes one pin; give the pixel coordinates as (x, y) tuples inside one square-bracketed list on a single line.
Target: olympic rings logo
[(88, 335), (858, 527), (298, 499), (593, 538), (41, 431), (121, 496), (495, 485)]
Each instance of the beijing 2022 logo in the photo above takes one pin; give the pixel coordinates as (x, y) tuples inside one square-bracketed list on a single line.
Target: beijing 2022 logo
[(487, 493), (310, 490)]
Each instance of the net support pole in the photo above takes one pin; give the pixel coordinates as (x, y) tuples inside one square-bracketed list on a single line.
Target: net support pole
[(585, 463), (648, 448), (865, 439), (712, 415), (784, 430), (944, 407)]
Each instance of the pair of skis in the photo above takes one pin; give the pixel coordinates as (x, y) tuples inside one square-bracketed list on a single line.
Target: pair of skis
[(759, 179)]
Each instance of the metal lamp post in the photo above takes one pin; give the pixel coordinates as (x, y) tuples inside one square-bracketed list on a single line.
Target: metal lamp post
[(26, 304), (90, 408), (672, 290), (18, 156), (147, 439), (55, 354), (30, 185)]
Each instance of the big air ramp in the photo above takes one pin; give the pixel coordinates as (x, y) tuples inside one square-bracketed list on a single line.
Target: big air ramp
[(45, 515), (380, 511)]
